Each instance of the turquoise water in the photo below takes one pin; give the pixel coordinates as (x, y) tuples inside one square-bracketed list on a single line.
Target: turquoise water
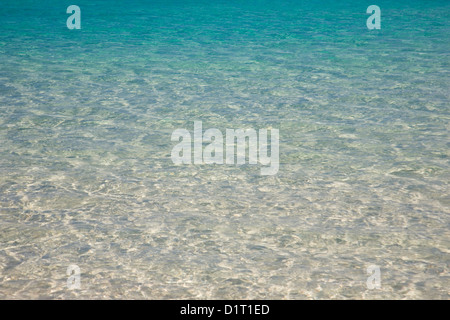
[(86, 176)]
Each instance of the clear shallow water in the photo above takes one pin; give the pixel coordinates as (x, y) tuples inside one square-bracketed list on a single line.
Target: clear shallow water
[(86, 176)]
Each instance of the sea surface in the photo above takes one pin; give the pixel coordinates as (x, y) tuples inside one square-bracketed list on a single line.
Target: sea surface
[(87, 179)]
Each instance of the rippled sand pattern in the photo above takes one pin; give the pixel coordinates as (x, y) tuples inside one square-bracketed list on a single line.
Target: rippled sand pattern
[(86, 176)]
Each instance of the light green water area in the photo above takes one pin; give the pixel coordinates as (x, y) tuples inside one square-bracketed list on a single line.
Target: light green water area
[(86, 176)]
